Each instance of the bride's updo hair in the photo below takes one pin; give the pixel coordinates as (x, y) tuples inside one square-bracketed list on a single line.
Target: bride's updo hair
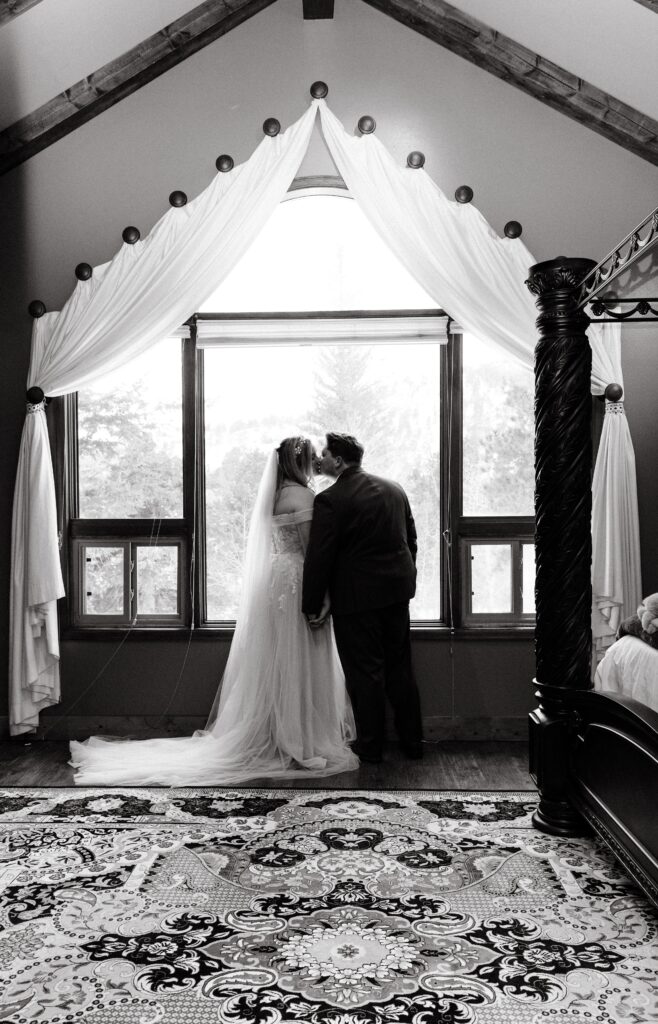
[(295, 461)]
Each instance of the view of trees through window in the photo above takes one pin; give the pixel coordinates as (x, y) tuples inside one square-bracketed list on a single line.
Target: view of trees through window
[(386, 395), (498, 432), (130, 441)]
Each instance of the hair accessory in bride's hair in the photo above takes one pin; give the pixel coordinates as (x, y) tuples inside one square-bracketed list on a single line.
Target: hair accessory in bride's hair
[(299, 448)]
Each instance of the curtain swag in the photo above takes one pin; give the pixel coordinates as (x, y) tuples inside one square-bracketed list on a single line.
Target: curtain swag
[(148, 289)]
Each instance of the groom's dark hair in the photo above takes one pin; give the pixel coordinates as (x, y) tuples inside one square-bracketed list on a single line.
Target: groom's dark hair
[(349, 449)]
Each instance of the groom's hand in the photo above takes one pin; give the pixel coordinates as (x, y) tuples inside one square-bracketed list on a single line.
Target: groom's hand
[(316, 621)]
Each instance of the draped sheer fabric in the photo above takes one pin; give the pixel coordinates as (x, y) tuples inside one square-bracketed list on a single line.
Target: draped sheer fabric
[(129, 304), (147, 290), (616, 573), (449, 247), (479, 278), (282, 707)]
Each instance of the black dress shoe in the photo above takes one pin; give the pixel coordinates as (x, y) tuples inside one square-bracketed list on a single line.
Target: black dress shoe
[(414, 751), (364, 753)]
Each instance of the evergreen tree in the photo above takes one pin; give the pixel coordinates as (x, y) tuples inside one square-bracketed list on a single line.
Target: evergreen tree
[(348, 398), (128, 467)]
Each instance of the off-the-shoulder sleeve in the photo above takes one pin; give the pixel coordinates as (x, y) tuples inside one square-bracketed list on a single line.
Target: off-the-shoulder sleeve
[(305, 515)]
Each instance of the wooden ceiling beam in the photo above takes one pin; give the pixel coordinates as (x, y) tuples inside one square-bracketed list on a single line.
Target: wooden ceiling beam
[(516, 64), (121, 77), (317, 9), (12, 8)]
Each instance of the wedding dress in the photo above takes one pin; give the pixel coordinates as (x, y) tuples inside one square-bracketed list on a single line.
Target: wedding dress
[(282, 709)]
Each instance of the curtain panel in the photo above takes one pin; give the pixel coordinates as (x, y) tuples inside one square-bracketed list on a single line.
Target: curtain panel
[(616, 574), (129, 304), (148, 289)]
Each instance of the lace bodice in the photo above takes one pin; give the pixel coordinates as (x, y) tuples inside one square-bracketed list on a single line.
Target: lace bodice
[(286, 539)]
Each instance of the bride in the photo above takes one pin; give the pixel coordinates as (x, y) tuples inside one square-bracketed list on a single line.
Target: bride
[(282, 709)]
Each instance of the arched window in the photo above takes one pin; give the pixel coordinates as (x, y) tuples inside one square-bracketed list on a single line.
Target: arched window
[(318, 327), (318, 252), (377, 377)]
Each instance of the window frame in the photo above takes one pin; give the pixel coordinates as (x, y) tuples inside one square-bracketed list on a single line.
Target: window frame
[(201, 320), (458, 531), (76, 532), (462, 530)]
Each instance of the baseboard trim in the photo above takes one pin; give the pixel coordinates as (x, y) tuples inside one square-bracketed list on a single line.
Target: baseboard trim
[(79, 727)]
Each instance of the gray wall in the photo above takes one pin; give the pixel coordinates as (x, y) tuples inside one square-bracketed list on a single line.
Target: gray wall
[(574, 193)]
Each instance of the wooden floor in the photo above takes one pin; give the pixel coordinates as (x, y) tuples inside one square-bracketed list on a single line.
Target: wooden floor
[(446, 765)]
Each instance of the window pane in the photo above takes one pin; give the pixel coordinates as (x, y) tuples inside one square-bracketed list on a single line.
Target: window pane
[(130, 440), (387, 395), (491, 578), (103, 592), (318, 252), (157, 580), (498, 433), (528, 579)]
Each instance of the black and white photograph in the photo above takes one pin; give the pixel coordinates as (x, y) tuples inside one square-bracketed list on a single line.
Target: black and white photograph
[(328, 494)]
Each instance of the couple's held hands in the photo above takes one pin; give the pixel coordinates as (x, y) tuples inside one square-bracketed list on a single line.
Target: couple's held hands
[(317, 621)]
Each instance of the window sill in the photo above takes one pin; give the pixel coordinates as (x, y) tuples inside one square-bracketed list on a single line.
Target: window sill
[(440, 633)]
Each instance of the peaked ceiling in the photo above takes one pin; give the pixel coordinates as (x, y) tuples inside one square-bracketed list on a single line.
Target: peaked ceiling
[(585, 34)]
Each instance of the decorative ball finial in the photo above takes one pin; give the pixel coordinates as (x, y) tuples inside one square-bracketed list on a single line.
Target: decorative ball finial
[(513, 229), (464, 194), (271, 126), (177, 198), (319, 90), (367, 124), (83, 271), (614, 392), (130, 235), (34, 395), (415, 159), (224, 163), (36, 308)]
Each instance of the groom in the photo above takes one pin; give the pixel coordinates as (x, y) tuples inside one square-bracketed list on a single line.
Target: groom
[(362, 550)]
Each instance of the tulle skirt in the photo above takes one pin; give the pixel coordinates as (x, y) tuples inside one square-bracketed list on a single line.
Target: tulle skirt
[(283, 713)]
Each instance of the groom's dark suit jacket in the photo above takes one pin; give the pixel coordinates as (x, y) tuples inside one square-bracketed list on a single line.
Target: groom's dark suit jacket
[(362, 546)]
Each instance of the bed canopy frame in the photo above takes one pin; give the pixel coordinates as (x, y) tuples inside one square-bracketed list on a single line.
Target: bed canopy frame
[(594, 756)]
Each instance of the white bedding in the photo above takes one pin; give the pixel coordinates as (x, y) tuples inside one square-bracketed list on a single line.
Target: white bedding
[(630, 668)]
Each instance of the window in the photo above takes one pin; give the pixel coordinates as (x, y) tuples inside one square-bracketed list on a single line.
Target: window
[(492, 505), (130, 522), (318, 327), (387, 394)]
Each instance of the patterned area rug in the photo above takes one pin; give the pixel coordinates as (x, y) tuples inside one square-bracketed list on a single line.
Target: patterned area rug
[(265, 906)]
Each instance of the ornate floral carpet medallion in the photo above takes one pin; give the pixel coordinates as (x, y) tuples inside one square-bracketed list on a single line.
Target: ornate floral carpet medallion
[(267, 906)]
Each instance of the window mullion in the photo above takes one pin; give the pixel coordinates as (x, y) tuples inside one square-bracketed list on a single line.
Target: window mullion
[(460, 588), (517, 579), (131, 579), (190, 490), (199, 552)]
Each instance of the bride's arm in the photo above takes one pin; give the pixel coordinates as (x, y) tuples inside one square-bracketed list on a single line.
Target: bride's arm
[(304, 530), (297, 499)]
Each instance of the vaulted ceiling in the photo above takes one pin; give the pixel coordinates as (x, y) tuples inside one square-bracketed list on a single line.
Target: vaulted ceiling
[(592, 61)]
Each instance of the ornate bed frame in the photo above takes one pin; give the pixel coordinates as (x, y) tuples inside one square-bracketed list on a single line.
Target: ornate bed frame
[(593, 756)]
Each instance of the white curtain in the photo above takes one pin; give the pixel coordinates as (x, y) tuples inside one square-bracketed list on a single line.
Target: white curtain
[(128, 305), (616, 577), (150, 288), (479, 278), (451, 250)]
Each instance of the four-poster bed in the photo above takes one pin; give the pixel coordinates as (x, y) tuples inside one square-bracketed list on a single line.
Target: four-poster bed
[(593, 754)]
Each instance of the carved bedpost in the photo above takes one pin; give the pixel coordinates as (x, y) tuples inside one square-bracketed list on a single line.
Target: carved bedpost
[(563, 509)]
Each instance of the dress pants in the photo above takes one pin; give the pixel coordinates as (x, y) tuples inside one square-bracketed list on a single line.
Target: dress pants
[(374, 647)]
